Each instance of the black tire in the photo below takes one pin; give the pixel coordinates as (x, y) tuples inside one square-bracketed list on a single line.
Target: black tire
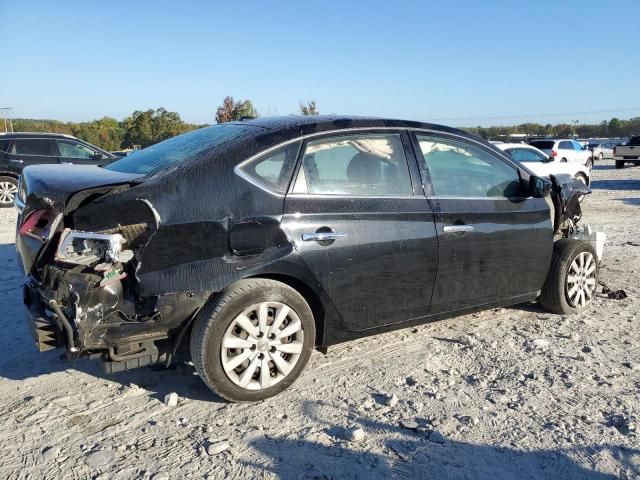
[(619, 164), (589, 164), (636, 163), (601, 156), (554, 296), (7, 198), (217, 316), (583, 178)]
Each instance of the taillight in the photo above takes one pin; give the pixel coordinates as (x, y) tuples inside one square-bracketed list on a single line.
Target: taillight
[(40, 223), (554, 153)]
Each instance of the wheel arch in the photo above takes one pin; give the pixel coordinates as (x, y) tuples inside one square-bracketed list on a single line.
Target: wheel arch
[(310, 296), (6, 173)]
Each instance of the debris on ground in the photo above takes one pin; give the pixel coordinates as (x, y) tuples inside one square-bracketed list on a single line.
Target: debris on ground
[(612, 294)]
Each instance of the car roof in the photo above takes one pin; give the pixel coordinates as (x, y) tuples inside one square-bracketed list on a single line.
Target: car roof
[(507, 146), (306, 124), (504, 146), (36, 134)]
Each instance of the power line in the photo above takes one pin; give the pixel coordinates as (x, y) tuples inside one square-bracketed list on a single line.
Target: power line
[(537, 115)]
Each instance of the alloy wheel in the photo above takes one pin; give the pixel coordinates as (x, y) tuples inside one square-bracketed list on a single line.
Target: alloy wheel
[(581, 280), (7, 193), (262, 345)]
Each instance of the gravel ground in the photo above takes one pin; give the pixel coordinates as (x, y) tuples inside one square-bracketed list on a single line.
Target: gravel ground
[(506, 393)]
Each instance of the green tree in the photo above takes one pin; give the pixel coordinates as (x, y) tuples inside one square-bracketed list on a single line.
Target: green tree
[(615, 128), (230, 110), (309, 108)]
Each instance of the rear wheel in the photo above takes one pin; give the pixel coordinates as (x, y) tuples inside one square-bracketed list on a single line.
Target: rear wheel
[(572, 279), (8, 190), (253, 340), (589, 164), (636, 163), (619, 164), (601, 156)]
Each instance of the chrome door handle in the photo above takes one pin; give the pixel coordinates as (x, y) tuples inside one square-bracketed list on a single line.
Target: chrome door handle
[(16, 160), (457, 228), (320, 236)]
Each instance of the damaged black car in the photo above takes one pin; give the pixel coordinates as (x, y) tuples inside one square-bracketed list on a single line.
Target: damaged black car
[(256, 242)]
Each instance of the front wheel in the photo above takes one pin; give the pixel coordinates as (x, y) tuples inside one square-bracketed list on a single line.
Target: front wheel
[(601, 156), (253, 340), (572, 279)]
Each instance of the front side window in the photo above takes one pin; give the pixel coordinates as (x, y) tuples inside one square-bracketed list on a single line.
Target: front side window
[(526, 155), (74, 150), (458, 169), (4, 145), (32, 147), (358, 165), (274, 169), (578, 146)]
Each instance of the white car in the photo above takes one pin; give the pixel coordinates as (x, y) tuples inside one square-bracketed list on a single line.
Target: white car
[(564, 150), (542, 165), (601, 151)]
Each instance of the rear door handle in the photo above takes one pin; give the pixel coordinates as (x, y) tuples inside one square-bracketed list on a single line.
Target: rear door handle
[(321, 236), (457, 228)]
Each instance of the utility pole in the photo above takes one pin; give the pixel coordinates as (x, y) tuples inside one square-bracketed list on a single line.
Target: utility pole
[(575, 123), (7, 114)]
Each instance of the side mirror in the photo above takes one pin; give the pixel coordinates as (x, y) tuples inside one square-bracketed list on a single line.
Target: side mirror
[(539, 187), (98, 156)]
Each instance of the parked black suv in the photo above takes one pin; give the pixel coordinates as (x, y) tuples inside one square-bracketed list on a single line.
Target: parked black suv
[(20, 149)]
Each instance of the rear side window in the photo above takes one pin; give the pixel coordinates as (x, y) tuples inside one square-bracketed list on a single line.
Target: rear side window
[(4, 145), (32, 147), (460, 170), (74, 150), (634, 141), (274, 170), (357, 165), (543, 144), (565, 145), (526, 155)]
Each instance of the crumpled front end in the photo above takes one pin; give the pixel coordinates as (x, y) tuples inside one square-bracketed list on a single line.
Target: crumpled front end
[(567, 195)]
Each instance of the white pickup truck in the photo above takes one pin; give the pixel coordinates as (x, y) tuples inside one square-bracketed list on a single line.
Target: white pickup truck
[(629, 152)]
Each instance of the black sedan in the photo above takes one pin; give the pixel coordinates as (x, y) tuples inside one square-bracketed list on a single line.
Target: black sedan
[(261, 240)]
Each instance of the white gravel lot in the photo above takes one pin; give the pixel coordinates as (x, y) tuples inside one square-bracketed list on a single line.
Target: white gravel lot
[(509, 393)]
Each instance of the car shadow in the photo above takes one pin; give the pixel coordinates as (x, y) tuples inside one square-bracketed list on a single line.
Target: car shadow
[(630, 201), (324, 452), (603, 167), (21, 360), (625, 184)]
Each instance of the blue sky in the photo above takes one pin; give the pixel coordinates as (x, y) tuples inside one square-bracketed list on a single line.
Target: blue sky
[(459, 63)]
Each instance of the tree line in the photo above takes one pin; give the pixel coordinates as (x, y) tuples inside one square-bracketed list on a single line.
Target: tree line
[(147, 127), (614, 128)]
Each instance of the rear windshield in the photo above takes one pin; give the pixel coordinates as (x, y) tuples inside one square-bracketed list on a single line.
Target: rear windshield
[(634, 141), (165, 154), (543, 144)]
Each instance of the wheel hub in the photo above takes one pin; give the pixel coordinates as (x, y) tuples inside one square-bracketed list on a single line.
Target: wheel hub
[(262, 345), (581, 280)]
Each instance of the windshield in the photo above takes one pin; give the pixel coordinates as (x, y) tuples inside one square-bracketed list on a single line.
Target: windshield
[(177, 149)]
